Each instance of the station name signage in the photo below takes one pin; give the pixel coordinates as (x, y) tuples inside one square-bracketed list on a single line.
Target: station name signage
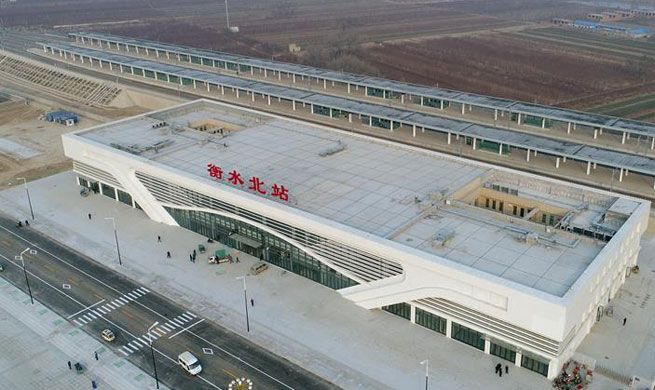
[(255, 184)]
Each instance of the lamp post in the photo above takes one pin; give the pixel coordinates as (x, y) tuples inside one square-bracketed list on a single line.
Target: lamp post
[(245, 301), (20, 257), (152, 351), (29, 200), (118, 250), (427, 366)]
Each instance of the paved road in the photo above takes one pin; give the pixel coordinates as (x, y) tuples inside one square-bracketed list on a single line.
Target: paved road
[(94, 298)]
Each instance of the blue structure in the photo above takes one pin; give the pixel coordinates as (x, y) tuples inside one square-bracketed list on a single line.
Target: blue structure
[(62, 117), (614, 29)]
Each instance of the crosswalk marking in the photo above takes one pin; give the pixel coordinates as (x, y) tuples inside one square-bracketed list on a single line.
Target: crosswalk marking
[(177, 322), (124, 353), (108, 307), (128, 297), (156, 333), (162, 330), (144, 340), (144, 289), (92, 315), (137, 343), (88, 319), (191, 314), (133, 296), (137, 293), (128, 349), (188, 317), (76, 322), (123, 300), (102, 311)]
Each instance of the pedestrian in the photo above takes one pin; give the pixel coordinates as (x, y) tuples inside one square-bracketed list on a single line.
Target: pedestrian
[(194, 253), (191, 258), (168, 254), (89, 216), (158, 238), (27, 223), (624, 320), (70, 366), (506, 369), (500, 372), (96, 355), (252, 302), (237, 259), (498, 367)]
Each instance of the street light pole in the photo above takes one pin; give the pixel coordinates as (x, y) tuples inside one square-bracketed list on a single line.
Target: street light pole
[(152, 351), (245, 301), (20, 257), (29, 200), (427, 365), (118, 249)]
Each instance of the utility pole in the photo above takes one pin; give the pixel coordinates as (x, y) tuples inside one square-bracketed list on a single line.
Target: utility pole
[(152, 351), (427, 367), (245, 300), (227, 15), (29, 200), (20, 257), (118, 250)]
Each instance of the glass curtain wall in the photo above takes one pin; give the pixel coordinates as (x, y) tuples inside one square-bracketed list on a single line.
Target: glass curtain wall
[(261, 244)]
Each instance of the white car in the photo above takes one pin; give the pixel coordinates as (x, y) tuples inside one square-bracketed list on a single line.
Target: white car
[(189, 363), (108, 335)]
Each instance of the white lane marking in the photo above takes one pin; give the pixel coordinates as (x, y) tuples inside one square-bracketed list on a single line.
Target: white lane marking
[(124, 353), (168, 327), (92, 315), (123, 300), (154, 331), (117, 303), (130, 295), (137, 343), (179, 323), (191, 314), (174, 361), (187, 328), (188, 317), (101, 311), (106, 308), (78, 324), (162, 330), (137, 293), (144, 289), (86, 308), (125, 347), (145, 340), (88, 319), (96, 313)]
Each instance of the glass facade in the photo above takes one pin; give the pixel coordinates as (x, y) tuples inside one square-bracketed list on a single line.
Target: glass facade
[(400, 309), (467, 336), (261, 244), (431, 321), (502, 350), (534, 363), (108, 190), (124, 197)]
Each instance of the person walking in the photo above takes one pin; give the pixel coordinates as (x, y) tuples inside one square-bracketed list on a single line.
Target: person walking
[(506, 369), (237, 259), (70, 366), (498, 367), (191, 258), (252, 302), (89, 216), (624, 320), (168, 254), (96, 354), (158, 238), (27, 223), (194, 253)]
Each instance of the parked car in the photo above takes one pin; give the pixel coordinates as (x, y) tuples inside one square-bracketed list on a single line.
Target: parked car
[(108, 335), (258, 268), (189, 363), (2, 267)]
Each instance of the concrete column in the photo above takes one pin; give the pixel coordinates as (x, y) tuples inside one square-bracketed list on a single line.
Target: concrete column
[(543, 123), (563, 159), (518, 118), (487, 345), (370, 121), (588, 167), (474, 143), (207, 86), (623, 138), (500, 149), (147, 53), (422, 129), (137, 51), (652, 143), (496, 114), (348, 87), (627, 135), (557, 162), (535, 153), (111, 67), (413, 130), (252, 96), (626, 172), (222, 90), (252, 71), (265, 73), (593, 165), (422, 100), (279, 76), (449, 328), (333, 83), (391, 126), (157, 53), (519, 356), (441, 104), (293, 77), (600, 131), (402, 99), (237, 91), (463, 108), (449, 138), (121, 68), (412, 313), (194, 84), (350, 118), (568, 128), (269, 100), (324, 84), (293, 104), (330, 112), (311, 108), (595, 133), (620, 175), (527, 156), (168, 55)]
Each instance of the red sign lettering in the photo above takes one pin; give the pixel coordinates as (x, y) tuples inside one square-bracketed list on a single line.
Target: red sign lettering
[(256, 185), (235, 178)]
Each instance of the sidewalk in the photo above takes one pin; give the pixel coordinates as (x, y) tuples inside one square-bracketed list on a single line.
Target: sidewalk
[(37, 345), (292, 316)]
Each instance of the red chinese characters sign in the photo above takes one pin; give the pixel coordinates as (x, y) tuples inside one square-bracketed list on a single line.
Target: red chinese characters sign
[(255, 184)]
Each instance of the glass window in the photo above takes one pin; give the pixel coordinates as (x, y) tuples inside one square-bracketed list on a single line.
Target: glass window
[(503, 351), (108, 190), (400, 309), (124, 197), (535, 364), (468, 336), (431, 321)]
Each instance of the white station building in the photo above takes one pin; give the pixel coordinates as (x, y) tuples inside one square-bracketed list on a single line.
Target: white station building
[(513, 264)]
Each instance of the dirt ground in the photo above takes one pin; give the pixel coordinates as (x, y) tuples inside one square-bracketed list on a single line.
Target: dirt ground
[(19, 123)]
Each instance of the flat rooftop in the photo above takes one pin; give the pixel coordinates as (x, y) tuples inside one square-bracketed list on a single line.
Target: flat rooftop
[(419, 199)]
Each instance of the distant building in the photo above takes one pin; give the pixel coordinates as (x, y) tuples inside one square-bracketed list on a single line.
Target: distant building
[(644, 12), (612, 29), (565, 22), (62, 117)]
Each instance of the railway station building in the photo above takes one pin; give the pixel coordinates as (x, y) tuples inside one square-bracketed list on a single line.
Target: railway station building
[(511, 264)]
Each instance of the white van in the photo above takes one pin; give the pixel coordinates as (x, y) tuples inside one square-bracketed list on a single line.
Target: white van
[(189, 363), (258, 268)]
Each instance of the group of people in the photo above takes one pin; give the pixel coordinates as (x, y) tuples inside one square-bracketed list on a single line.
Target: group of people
[(20, 223), (499, 369)]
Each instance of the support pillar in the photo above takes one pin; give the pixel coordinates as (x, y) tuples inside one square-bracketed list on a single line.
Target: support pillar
[(557, 162), (441, 105), (207, 87), (422, 100), (652, 143), (623, 138), (293, 105), (449, 328), (500, 149), (518, 118), (370, 121), (449, 138), (463, 108), (350, 118), (237, 91), (324, 83), (402, 99), (279, 76), (269, 100), (265, 73), (412, 313), (543, 123), (391, 126), (487, 344), (568, 128), (474, 143), (588, 167), (252, 96), (413, 130), (252, 71), (222, 90), (519, 357), (620, 175), (527, 156), (348, 87), (563, 159), (594, 165), (194, 84), (293, 78), (496, 114), (595, 133)]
